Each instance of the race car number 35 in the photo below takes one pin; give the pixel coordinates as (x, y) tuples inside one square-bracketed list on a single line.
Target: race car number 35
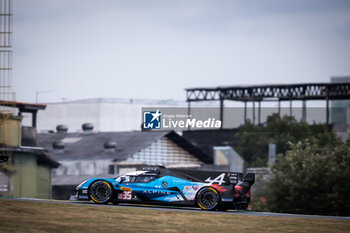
[(125, 195)]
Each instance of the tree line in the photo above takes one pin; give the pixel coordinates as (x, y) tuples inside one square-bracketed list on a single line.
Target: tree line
[(312, 170)]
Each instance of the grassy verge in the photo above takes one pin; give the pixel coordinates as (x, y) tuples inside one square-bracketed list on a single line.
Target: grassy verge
[(21, 216)]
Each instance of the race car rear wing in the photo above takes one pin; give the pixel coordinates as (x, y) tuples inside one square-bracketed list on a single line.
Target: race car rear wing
[(250, 178), (217, 177)]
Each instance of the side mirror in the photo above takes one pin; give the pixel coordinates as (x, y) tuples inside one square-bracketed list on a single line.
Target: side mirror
[(122, 179)]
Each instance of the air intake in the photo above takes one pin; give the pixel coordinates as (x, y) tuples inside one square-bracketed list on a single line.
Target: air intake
[(58, 147), (87, 127), (61, 129), (110, 146)]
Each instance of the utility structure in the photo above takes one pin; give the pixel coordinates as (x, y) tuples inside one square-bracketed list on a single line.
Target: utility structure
[(278, 92), (25, 168), (6, 53), (6, 111)]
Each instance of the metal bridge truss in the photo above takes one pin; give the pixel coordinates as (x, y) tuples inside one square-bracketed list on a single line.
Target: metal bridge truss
[(284, 92)]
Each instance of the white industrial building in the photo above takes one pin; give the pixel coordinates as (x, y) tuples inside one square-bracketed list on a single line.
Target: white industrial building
[(106, 114), (114, 114)]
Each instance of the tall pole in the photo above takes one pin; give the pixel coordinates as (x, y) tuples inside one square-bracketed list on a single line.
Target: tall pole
[(327, 106), (259, 113), (34, 118), (189, 112), (253, 112), (222, 112), (40, 92), (245, 112), (303, 117), (279, 107)]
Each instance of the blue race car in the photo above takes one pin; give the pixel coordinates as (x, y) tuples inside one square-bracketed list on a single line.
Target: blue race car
[(209, 190)]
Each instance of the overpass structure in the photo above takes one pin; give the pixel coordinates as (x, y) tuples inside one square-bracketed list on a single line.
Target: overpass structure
[(278, 92)]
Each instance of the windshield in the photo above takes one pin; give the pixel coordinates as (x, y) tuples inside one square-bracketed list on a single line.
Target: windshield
[(134, 179), (125, 179)]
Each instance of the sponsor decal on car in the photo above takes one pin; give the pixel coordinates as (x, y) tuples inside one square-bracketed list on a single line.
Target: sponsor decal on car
[(83, 197), (157, 192), (219, 179), (221, 189), (164, 184), (190, 187), (125, 195), (125, 189)]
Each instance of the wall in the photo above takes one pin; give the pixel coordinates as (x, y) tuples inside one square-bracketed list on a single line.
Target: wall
[(82, 167), (43, 182), (237, 163), (106, 114), (4, 185), (227, 156), (10, 130), (164, 152), (24, 180), (30, 180)]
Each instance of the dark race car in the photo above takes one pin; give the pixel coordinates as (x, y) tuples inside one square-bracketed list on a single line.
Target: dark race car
[(209, 190)]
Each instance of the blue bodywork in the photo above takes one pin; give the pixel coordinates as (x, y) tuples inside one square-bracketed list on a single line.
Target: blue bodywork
[(157, 190), (214, 189)]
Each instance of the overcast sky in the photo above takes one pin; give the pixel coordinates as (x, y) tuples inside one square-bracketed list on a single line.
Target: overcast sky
[(154, 49)]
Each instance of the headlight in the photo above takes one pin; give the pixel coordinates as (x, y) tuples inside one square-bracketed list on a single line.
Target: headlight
[(82, 183)]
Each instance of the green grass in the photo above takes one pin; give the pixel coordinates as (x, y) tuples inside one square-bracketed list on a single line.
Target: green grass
[(25, 216)]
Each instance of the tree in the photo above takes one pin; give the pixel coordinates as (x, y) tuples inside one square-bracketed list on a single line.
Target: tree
[(252, 144), (308, 181), (253, 140)]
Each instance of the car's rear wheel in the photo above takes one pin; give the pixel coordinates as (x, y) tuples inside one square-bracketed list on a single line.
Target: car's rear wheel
[(100, 191), (208, 198)]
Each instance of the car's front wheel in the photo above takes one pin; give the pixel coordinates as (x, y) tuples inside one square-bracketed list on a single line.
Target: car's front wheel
[(208, 198), (100, 192)]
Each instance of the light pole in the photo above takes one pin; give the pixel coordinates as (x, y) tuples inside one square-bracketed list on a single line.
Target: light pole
[(40, 92)]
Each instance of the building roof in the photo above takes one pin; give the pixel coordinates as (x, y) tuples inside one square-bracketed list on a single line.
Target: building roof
[(42, 155), (123, 101), (85, 146), (23, 107)]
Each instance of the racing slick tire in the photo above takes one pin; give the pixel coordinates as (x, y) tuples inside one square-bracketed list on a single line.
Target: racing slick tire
[(100, 192), (208, 198)]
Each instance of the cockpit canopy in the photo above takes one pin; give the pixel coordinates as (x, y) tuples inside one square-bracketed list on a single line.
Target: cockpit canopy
[(137, 177)]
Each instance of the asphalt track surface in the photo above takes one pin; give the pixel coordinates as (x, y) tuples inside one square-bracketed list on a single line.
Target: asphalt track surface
[(180, 209)]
